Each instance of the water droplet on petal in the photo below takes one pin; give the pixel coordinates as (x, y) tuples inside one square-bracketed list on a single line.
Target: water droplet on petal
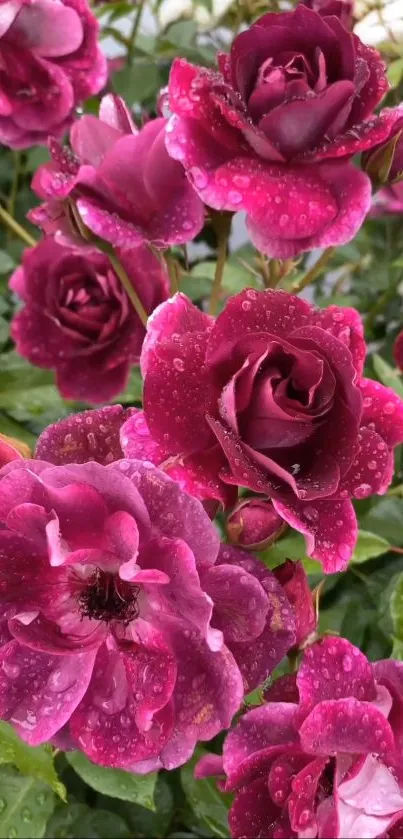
[(347, 663), (179, 364)]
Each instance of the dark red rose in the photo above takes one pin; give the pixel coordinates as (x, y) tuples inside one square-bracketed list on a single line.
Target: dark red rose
[(270, 396), (273, 131), (77, 318)]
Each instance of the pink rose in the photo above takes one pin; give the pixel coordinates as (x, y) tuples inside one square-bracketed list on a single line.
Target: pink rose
[(126, 631), (272, 131), (51, 61), (323, 757), (77, 318), (270, 396), (122, 182)]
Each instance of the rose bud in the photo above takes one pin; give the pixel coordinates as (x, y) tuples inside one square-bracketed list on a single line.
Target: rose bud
[(294, 581), (254, 524)]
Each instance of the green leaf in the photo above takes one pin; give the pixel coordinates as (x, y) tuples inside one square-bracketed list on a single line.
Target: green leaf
[(181, 33), (396, 607), (4, 331), (368, 546), (14, 429), (397, 650), (209, 805), (138, 83), (142, 822), (78, 821), (387, 374), (115, 782), (134, 390), (291, 546), (386, 519), (6, 263), (395, 72), (25, 805), (36, 762)]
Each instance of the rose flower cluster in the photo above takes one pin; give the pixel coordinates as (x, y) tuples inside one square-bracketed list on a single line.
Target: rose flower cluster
[(130, 629)]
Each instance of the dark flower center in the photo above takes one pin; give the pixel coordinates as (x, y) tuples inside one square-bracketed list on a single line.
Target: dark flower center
[(108, 598)]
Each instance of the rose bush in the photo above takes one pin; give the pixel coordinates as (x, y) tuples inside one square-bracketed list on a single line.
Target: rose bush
[(50, 62), (77, 318), (129, 633), (272, 132), (323, 756), (270, 396), (122, 182)]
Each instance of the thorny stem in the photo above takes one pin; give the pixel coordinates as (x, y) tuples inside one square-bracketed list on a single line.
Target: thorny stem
[(16, 228), (316, 269), (222, 226)]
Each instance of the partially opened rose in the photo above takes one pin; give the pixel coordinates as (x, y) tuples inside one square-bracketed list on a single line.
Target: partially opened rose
[(126, 631), (270, 396), (273, 130), (77, 318), (50, 62), (120, 181), (323, 757)]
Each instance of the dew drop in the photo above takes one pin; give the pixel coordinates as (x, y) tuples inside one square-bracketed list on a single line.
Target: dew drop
[(179, 364), (347, 663), (3, 805), (389, 408), (26, 815), (246, 305)]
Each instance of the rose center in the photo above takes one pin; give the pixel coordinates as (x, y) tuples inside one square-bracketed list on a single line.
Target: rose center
[(106, 597)]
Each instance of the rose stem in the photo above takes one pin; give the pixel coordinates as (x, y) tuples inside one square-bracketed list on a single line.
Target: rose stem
[(172, 272), (222, 226), (16, 228), (124, 279), (316, 269), (133, 34), (15, 183)]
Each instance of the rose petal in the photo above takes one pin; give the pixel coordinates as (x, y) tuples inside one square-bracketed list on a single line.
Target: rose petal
[(382, 411), (90, 435), (58, 682), (346, 725), (329, 527)]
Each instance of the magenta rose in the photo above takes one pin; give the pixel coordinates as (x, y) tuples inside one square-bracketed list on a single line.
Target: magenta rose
[(51, 61), (270, 396), (343, 9), (323, 758), (77, 318), (127, 632), (272, 132), (122, 182)]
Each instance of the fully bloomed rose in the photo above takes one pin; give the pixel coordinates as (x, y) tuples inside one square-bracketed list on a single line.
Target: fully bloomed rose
[(126, 631), (272, 132), (77, 318), (324, 756), (270, 396), (121, 181), (50, 62)]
